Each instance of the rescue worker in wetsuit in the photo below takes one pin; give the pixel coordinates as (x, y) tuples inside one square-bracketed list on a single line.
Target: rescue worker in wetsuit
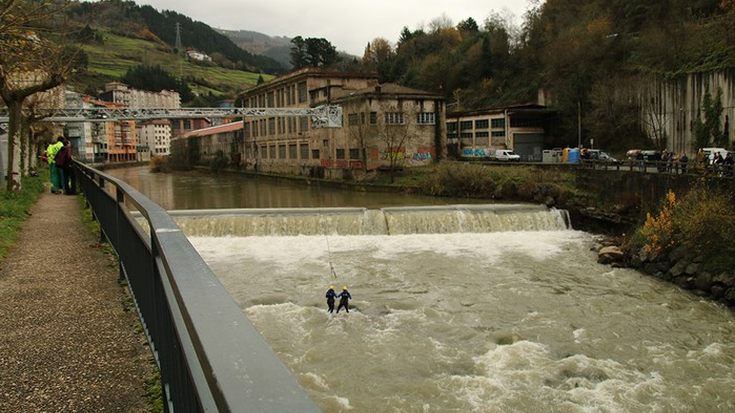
[(330, 298), (343, 297)]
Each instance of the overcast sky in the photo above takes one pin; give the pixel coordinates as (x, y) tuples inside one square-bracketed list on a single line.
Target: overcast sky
[(349, 25)]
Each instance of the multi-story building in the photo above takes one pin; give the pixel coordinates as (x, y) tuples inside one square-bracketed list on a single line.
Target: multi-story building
[(123, 145), (154, 139), (522, 128), (383, 125), (120, 93)]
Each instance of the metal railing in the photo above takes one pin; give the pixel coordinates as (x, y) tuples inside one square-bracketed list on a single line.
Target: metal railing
[(663, 167), (211, 357)]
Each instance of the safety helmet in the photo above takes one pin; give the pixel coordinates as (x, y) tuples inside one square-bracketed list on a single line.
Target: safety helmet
[(344, 288), (331, 287)]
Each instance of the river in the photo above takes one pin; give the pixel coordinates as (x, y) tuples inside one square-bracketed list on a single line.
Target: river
[(443, 321)]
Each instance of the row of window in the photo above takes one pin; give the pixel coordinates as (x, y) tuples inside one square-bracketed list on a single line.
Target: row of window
[(287, 95), (391, 118), (497, 123), (299, 152), (289, 125), (464, 135)]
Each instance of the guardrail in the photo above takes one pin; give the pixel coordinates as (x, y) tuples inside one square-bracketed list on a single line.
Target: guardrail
[(675, 168), (211, 357)]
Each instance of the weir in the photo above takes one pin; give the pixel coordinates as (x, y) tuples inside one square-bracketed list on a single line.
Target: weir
[(362, 221)]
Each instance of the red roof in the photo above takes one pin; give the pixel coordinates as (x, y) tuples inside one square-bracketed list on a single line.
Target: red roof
[(212, 130)]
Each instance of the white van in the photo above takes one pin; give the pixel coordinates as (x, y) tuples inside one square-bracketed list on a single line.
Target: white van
[(505, 155)]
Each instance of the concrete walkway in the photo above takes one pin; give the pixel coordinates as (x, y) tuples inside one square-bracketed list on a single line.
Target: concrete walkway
[(66, 342)]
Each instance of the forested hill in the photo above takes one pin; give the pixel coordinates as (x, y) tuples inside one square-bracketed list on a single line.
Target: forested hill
[(128, 19), (587, 60)]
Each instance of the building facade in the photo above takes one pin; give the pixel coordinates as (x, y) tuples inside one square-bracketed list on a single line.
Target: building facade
[(383, 126), (121, 94), (154, 138), (477, 133)]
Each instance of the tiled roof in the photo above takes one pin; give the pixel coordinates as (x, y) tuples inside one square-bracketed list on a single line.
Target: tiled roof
[(227, 127)]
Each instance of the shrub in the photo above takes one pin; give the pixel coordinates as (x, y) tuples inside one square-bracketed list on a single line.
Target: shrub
[(658, 231), (159, 164), (703, 222), (706, 221)]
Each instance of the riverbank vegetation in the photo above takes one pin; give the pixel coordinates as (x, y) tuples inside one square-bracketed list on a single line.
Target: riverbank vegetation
[(15, 208), (701, 222), (521, 183)]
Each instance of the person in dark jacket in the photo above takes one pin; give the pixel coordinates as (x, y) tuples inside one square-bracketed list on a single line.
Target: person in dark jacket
[(63, 166), (343, 297), (330, 298)]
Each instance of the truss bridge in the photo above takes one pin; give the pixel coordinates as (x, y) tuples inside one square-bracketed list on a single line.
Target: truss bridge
[(325, 116)]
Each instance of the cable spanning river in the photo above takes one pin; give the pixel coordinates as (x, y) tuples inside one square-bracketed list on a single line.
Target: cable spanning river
[(460, 320)]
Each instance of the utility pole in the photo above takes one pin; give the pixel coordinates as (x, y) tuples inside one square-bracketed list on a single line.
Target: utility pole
[(579, 125), (178, 38)]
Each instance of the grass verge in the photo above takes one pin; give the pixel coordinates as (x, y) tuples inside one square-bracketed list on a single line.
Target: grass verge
[(15, 208)]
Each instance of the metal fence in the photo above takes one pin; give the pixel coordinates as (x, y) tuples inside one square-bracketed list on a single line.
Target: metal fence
[(211, 357)]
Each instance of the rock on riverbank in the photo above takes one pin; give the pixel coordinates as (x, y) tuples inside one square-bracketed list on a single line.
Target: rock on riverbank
[(678, 267)]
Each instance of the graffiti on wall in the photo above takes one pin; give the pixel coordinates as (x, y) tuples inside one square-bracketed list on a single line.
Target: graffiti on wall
[(475, 152), (421, 156)]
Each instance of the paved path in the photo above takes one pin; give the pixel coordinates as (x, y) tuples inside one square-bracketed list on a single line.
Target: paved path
[(66, 342)]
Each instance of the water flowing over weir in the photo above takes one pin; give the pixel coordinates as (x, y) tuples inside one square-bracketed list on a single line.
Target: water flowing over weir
[(516, 320), (362, 221)]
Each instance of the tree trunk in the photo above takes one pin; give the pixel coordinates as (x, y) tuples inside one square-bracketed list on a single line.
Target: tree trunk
[(24, 139), (14, 143)]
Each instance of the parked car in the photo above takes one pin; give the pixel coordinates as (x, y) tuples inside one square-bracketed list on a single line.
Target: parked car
[(598, 155)]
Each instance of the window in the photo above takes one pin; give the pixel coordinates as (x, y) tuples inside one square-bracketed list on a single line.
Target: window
[(481, 134), (352, 119), (425, 118), (271, 100), (465, 125), (271, 126), (394, 118), (498, 123), (354, 153), (304, 148), (303, 124), (451, 126), (272, 152), (281, 151), (498, 134), (315, 154), (325, 143), (340, 153), (263, 152), (292, 153), (482, 124), (373, 118), (302, 92)]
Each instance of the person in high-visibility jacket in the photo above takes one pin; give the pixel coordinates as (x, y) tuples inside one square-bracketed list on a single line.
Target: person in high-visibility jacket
[(51, 152)]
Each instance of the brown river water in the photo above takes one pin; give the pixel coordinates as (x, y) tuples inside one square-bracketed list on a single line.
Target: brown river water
[(469, 308)]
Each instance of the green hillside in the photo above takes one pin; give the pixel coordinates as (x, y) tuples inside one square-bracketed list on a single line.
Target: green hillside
[(108, 61)]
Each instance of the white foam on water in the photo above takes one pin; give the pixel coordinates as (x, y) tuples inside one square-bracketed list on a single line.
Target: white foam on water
[(501, 322)]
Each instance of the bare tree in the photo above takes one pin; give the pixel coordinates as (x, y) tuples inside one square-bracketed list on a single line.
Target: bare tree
[(395, 129), (359, 129), (34, 58)]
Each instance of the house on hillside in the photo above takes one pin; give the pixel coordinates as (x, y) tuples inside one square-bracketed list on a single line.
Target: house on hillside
[(522, 128), (382, 126)]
